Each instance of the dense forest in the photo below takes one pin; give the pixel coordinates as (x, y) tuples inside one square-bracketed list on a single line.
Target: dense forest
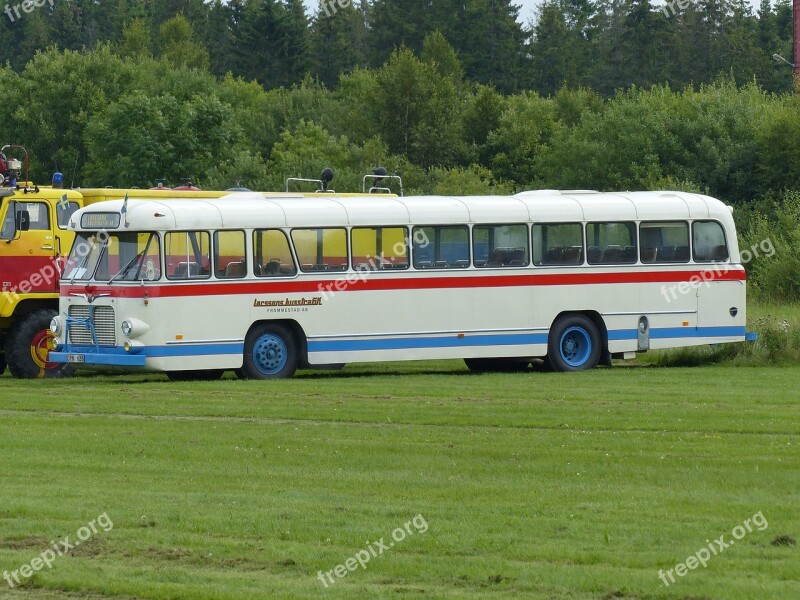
[(457, 97)]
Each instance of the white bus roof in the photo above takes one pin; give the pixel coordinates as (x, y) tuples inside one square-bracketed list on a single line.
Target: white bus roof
[(250, 209)]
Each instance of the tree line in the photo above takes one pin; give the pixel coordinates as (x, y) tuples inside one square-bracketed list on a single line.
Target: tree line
[(604, 45)]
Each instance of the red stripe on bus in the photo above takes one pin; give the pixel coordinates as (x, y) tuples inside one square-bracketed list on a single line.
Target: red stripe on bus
[(376, 282)]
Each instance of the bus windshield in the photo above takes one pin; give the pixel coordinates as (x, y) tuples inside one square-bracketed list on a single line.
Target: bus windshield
[(129, 256)]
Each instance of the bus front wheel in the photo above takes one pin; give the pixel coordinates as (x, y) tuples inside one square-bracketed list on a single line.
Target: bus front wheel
[(574, 344), (270, 352)]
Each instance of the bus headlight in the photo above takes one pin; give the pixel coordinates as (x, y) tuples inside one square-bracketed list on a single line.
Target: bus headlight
[(134, 328), (55, 326), (56, 342)]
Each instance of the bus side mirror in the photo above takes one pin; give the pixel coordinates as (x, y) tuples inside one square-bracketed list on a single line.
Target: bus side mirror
[(22, 220)]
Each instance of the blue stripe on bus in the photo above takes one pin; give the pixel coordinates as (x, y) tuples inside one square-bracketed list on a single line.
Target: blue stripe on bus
[(678, 332), (518, 339)]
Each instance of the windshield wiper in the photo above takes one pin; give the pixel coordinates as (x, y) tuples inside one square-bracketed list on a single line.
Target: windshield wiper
[(132, 262)]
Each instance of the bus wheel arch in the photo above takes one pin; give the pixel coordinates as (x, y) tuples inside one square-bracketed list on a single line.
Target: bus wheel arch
[(272, 350), (578, 341)]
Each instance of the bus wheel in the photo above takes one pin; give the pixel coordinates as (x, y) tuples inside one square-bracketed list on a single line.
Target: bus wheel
[(205, 375), (270, 352), (574, 344), (2, 363), (28, 348), (496, 365)]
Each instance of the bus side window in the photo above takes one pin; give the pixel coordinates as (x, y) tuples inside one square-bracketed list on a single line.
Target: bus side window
[(187, 255), (611, 243), (664, 242), (229, 255), (378, 248), (272, 254), (557, 244), (321, 250), (708, 241), (441, 247), (500, 245)]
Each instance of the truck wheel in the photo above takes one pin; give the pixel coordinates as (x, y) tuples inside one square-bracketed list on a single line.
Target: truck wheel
[(28, 348), (270, 352)]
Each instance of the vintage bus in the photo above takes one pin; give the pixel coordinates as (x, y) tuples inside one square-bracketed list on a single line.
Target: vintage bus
[(265, 285)]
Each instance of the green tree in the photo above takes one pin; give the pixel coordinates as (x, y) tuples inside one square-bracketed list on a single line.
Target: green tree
[(178, 46)]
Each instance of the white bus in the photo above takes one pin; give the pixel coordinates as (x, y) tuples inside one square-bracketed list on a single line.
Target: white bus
[(265, 285)]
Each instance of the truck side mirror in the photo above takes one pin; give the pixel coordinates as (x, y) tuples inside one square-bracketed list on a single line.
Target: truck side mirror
[(22, 220)]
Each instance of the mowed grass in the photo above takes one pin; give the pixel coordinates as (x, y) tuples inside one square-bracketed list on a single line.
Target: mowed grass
[(533, 485)]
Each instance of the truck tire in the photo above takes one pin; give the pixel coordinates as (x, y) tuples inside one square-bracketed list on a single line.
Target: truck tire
[(28, 347)]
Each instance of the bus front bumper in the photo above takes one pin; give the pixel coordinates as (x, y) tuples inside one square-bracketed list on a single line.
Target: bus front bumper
[(94, 356)]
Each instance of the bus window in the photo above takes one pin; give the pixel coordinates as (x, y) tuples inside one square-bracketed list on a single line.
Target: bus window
[(229, 255), (664, 242), (321, 249), (558, 244), (708, 241), (187, 255), (500, 245), (272, 255), (611, 243), (376, 248), (441, 247)]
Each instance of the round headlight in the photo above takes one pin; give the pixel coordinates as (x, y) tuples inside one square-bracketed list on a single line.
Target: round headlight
[(56, 342), (127, 346), (55, 325), (127, 328)]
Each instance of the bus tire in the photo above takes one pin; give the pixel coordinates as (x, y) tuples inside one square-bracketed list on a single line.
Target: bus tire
[(2, 363), (574, 344), (270, 352), (28, 348), (204, 375), (496, 365)]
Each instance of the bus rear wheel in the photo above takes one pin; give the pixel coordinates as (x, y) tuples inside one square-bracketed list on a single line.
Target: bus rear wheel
[(28, 348), (574, 344), (270, 352), (204, 375)]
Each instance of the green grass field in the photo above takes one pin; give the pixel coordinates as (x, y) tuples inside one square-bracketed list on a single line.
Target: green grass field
[(536, 485)]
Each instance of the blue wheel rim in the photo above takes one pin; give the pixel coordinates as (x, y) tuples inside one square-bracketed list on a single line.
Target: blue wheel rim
[(270, 354), (575, 346)]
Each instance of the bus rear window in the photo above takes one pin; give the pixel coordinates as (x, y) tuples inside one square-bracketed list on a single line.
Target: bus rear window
[(611, 243), (500, 245), (708, 241), (558, 244), (187, 255), (440, 247), (320, 250)]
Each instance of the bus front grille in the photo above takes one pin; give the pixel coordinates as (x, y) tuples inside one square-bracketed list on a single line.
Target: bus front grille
[(103, 321)]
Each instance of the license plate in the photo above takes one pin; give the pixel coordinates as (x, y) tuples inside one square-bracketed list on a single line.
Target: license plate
[(76, 358)]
